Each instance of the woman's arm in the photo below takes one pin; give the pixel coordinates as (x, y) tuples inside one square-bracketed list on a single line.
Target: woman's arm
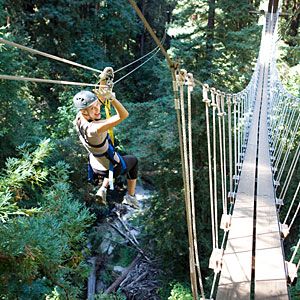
[(113, 121)]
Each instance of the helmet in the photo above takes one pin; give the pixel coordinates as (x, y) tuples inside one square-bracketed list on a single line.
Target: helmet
[(84, 99)]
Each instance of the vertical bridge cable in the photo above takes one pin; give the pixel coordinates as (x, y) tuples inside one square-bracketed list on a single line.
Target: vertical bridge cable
[(225, 219), (291, 266), (290, 173), (182, 136), (224, 147), (214, 106), (284, 139), (289, 147), (207, 102), (235, 176), (179, 125), (190, 86), (289, 211), (231, 192), (181, 80), (220, 123)]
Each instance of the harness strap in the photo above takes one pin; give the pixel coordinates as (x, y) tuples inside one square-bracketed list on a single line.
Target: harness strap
[(82, 132)]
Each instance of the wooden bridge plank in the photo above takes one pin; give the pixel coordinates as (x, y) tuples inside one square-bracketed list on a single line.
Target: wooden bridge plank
[(235, 279), (270, 275), (270, 278)]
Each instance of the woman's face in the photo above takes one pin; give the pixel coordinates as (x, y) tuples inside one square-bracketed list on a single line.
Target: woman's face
[(93, 111)]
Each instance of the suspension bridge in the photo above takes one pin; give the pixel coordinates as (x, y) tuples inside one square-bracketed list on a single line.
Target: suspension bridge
[(253, 138), (251, 135)]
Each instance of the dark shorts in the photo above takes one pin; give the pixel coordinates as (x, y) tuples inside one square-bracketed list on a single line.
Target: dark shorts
[(131, 172)]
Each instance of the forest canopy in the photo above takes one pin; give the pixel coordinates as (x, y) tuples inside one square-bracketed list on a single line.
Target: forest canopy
[(48, 214)]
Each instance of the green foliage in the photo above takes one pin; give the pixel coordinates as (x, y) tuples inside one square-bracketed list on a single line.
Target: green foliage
[(19, 173), (45, 227), (115, 296), (123, 256), (218, 47), (179, 292), (46, 247), (154, 120)]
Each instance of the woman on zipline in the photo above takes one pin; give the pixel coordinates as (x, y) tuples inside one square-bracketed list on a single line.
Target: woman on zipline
[(93, 134)]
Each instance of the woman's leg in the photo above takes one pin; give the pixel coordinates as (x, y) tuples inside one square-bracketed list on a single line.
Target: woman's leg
[(132, 173)]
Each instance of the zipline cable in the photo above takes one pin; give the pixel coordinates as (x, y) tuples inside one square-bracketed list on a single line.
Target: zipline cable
[(33, 51), (22, 78), (142, 57), (139, 66), (63, 82), (153, 35), (60, 59)]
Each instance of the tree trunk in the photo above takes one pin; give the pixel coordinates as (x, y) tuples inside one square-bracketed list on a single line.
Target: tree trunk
[(119, 280), (142, 43), (92, 279), (210, 35)]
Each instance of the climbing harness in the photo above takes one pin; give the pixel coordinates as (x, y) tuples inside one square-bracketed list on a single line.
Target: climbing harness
[(99, 151)]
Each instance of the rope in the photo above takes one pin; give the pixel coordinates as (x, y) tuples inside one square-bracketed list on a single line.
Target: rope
[(214, 106), (284, 138), (220, 123), (153, 35), (22, 78), (211, 193), (295, 251), (293, 133), (291, 205), (234, 136), (137, 67), (142, 57), (230, 143), (290, 173), (181, 79), (190, 84), (224, 148), (47, 55)]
